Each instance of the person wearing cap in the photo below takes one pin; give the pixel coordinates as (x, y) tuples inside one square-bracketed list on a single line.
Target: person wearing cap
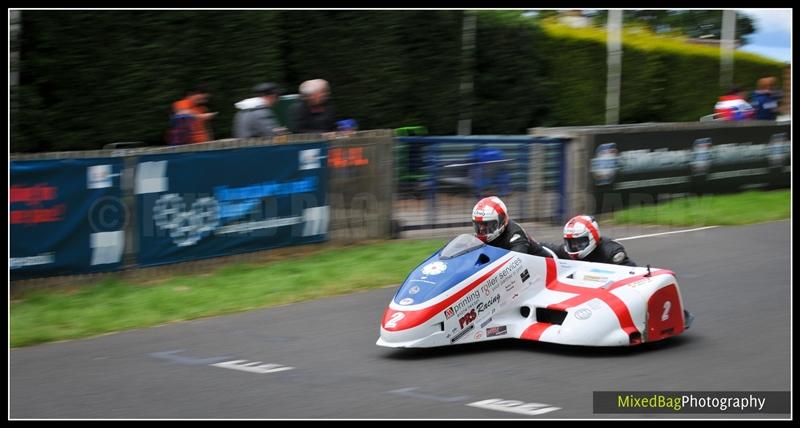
[(255, 117), (313, 113)]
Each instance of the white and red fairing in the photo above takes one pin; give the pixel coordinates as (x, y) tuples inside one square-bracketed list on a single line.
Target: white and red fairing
[(470, 292)]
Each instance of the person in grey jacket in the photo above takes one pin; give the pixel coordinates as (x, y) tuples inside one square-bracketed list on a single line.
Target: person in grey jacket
[(255, 117)]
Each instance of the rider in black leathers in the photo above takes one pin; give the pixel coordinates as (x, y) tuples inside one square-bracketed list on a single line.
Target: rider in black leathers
[(492, 226)]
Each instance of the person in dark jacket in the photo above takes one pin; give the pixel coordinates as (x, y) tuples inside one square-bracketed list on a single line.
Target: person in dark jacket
[(313, 113), (494, 227), (582, 241), (765, 100), (255, 117)]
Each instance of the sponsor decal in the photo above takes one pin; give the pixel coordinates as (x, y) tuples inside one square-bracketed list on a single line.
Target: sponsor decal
[(500, 330), (638, 282), (394, 319), (33, 197), (186, 227), (41, 259), (605, 163), (413, 290), (478, 335), (470, 316), (449, 312), (778, 149), (99, 177), (506, 273), (701, 156), (483, 324), (484, 306), (467, 318), (583, 314), (422, 280), (466, 302), (406, 301), (342, 157), (595, 278), (461, 334), (309, 159), (524, 276), (433, 269)]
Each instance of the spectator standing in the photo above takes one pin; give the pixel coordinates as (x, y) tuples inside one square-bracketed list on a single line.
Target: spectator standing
[(765, 99), (255, 117), (190, 118), (732, 106), (313, 113)]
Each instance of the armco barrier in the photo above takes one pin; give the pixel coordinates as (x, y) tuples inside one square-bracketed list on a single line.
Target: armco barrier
[(612, 167), (271, 193)]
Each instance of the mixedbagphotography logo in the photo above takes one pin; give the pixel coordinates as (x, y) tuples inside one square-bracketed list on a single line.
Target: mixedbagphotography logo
[(720, 402)]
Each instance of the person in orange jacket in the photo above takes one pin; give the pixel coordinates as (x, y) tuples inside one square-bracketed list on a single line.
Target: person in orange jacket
[(193, 112)]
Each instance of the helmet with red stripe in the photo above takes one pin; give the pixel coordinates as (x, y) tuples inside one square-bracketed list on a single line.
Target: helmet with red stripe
[(490, 218), (581, 236)]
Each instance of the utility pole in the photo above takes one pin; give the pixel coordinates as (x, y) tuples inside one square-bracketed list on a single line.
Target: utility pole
[(726, 45), (614, 44), (467, 66)]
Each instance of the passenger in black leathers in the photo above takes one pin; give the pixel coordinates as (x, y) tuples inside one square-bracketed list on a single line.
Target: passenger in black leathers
[(582, 241), (609, 251)]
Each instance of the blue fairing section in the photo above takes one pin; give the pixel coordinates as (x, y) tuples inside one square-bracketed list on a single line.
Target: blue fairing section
[(420, 287)]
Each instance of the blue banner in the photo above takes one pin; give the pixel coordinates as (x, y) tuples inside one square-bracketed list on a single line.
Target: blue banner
[(205, 204), (66, 217)]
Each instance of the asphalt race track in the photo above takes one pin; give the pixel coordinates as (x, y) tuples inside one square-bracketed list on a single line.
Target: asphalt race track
[(319, 359)]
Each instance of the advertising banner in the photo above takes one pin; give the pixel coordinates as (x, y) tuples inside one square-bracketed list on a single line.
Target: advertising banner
[(202, 204), (66, 217), (632, 168)]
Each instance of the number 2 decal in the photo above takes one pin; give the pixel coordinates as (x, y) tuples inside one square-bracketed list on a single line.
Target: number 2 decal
[(665, 315), (394, 319)]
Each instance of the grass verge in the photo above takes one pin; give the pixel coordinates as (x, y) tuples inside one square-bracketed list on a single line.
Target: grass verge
[(741, 208), (114, 305)]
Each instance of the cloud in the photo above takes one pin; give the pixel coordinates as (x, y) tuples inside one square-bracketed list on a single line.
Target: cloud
[(771, 20)]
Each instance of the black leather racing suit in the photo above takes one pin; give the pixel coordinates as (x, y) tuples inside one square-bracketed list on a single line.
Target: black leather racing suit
[(515, 238), (608, 251)]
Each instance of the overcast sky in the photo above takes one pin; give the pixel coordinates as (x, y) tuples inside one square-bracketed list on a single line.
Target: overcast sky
[(773, 36)]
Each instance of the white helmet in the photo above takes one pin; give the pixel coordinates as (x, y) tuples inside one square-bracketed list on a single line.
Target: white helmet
[(581, 236), (489, 217)]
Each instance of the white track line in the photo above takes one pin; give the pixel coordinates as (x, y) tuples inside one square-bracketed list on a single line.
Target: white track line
[(664, 233)]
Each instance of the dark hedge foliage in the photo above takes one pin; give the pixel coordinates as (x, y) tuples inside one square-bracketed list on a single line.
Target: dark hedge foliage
[(89, 78)]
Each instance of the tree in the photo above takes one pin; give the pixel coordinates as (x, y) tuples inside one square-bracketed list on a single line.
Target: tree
[(691, 23)]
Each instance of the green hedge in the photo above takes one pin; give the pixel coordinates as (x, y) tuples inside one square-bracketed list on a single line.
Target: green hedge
[(89, 78)]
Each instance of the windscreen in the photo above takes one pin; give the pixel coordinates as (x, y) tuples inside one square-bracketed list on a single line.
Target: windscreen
[(460, 245)]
